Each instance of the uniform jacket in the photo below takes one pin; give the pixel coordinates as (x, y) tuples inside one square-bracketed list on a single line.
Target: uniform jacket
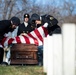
[(24, 29), (4, 27), (54, 30)]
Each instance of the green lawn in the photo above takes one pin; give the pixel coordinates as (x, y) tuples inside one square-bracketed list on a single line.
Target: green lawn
[(21, 70)]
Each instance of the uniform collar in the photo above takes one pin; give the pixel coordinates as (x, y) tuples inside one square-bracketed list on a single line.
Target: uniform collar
[(26, 24)]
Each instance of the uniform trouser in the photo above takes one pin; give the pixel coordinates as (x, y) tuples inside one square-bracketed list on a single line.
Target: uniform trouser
[(40, 54), (1, 54)]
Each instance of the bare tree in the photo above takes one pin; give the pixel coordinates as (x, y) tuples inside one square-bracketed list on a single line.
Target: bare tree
[(9, 8)]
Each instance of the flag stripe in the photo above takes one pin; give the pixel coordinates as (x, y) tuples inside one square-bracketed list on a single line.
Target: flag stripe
[(34, 37), (3, 41), (30, 39), (26, 39), (18, 39), (6, 42), (22, 39), (10, 40), (35, 40), (38, 35), (45, 31)]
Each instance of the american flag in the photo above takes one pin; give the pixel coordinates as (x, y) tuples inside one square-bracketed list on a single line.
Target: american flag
[(34, 37)]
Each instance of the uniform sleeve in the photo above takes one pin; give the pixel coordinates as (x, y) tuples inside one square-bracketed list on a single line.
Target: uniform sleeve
[(18, 32), (57, 31), (4, 25)]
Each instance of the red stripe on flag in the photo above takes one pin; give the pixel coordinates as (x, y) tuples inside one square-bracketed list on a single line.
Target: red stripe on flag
[(38, 34), (35, 40), (3, 40), (26, 39), (45, 31), (18, 39), (10, 41)]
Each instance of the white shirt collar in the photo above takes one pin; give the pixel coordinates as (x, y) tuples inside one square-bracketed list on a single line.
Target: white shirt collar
[(25, 23)]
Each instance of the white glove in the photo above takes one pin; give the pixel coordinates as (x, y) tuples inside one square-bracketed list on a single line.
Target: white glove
[(45, 25)]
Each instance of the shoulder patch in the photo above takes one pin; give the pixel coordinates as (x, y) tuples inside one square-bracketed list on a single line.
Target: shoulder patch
[(51, 18)]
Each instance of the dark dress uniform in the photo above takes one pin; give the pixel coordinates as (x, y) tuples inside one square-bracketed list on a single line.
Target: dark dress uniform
[(53, 27), (26, 26), (54, 30), (5, 27), (24, 29)]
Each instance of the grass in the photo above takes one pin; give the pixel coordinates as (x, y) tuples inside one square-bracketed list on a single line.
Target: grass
[(21, 70)]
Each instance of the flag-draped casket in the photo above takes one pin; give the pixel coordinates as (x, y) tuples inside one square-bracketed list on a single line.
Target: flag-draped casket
[(34, 37), (25, 46)]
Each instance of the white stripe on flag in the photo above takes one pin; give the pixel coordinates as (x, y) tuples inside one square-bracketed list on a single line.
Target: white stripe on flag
[(31, 39), (41, 31), (14, 41), (22, 39), (35, 36)]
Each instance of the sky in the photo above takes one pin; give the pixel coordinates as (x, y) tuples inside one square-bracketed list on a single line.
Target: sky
[(57, 2), (49, 1)]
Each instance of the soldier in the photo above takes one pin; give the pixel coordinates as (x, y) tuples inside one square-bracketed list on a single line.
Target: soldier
[(35, 17), (5, 27), (52, 28), (25, 26), (52, 23)]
